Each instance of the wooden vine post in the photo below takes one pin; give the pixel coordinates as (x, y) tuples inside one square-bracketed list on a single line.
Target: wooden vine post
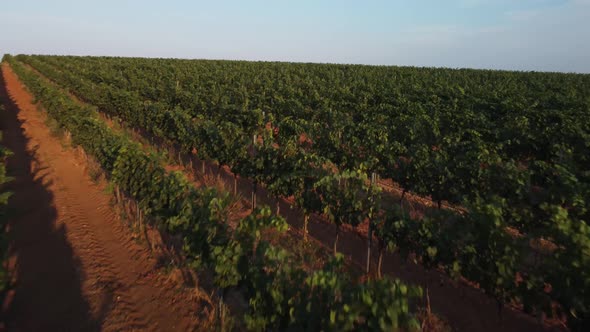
[(254, 183)]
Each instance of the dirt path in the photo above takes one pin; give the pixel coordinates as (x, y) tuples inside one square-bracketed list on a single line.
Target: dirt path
[(76, 266)]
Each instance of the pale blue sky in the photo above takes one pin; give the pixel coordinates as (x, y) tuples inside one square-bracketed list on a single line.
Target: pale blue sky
[(547, 35)]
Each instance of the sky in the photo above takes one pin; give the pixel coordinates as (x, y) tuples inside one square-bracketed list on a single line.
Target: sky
[(539, 35)]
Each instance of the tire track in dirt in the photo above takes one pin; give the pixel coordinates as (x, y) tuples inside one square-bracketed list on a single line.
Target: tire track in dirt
[(104, 278), (76, 266)]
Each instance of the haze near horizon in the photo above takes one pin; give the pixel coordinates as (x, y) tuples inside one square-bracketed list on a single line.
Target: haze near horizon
[(539, 35)]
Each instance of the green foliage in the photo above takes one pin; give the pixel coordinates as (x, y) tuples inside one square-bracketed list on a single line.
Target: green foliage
[(381, 305), (4, 195), (347, 197), (511, 148)]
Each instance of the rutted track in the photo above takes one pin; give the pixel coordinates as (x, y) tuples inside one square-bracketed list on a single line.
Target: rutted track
[(75, 265)]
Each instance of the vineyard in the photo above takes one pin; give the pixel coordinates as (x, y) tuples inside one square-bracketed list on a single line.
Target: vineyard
[(504, 157)]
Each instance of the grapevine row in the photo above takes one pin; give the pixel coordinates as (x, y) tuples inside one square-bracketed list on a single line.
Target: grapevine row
[(4, 195)]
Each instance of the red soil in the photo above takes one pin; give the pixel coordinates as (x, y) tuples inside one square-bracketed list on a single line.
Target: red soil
[(75, 266)]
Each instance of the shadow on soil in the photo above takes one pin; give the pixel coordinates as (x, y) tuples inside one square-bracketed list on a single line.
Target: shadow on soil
[(46, 294)]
